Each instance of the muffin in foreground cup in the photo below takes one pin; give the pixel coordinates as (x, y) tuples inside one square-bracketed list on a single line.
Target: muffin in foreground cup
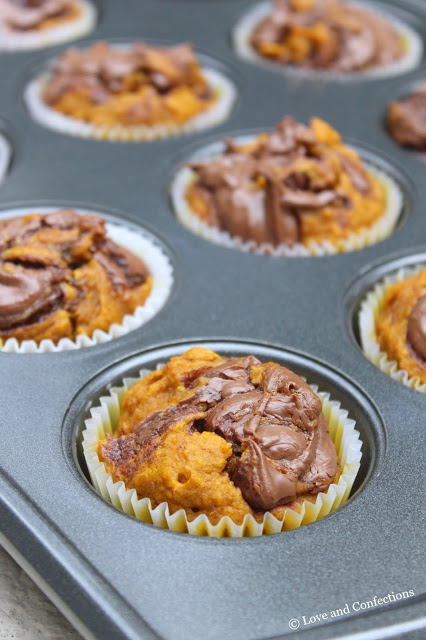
[(221, 446), (392, 326), (70, 280), (33, 24), (345, 39), (296, 191), (407, 120), (129, 93), (5, 155)]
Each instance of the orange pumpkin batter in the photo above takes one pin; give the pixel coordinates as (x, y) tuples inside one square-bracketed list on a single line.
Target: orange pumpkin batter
[(143, 85), (303, 164), (181, 462), (60, 276), (391, 325)]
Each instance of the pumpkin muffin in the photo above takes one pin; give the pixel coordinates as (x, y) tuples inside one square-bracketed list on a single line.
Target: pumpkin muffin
[(327, 36), (407, 120), (61, 276), (129, 92), (401, 325), (298, 186), (27, 24), (222, 437)]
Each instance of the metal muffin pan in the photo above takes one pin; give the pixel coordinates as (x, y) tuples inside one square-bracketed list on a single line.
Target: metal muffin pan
[(116, 578)]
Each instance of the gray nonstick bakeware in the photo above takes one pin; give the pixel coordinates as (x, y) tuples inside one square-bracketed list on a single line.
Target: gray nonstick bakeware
[(114, 577)]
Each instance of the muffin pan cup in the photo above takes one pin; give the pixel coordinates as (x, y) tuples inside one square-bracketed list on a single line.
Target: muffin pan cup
[(104, 419), (119, 579)]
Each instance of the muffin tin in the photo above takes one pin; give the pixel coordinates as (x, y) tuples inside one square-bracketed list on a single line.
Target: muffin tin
[(113, 576)]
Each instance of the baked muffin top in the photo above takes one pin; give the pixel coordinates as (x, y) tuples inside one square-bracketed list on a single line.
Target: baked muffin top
[(329, 35), (297, 184), (222, 436), (60, 276), (138, 85), (401, 325)]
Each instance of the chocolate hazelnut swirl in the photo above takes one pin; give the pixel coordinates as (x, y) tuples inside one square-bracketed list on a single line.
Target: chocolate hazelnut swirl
[(407, 120), (297, 184), (329, 35), (24, 15), (139, 85), (224, 436), (416, 328), (60, 276)]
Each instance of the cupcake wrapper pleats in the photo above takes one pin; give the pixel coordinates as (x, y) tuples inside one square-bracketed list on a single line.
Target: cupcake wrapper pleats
[(104, 419)]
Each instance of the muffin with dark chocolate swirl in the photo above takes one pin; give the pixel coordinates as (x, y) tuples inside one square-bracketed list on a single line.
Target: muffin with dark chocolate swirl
[(392, 324), (327, 36), (407, 120), (30, 24), (63, 279), (216, 437), (123, 92), (297, 190)]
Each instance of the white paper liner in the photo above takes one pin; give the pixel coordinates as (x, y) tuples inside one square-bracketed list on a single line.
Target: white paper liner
[(354, 241), (71, 30), (5, 155), (104, 419), (411, 59), (370, 310), (162, 281), (221, 86)]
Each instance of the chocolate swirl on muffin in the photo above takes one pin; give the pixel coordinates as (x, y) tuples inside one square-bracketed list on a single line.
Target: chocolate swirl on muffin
[(143, 84), (416, 328), (224, 436), (329, 35), (60, 276), (297, 184)]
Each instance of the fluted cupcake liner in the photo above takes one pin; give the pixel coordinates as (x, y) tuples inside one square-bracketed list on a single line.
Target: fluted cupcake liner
[(223, 90), (104, 419), (162, 281), (370, 310), (411, 59), (5, 155), (354, 241), (63, 32)]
